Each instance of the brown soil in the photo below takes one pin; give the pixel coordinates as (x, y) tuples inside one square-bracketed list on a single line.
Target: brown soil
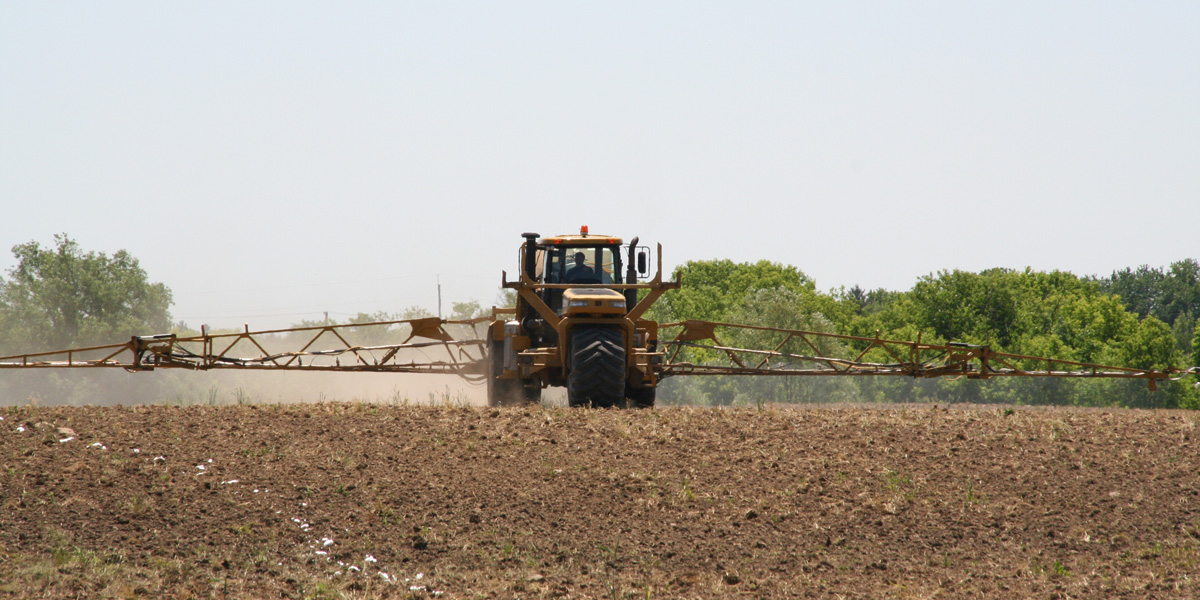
[(365, 501)]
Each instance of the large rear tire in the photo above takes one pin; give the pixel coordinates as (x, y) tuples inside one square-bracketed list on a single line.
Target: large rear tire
[(501, 392), (597, 376)]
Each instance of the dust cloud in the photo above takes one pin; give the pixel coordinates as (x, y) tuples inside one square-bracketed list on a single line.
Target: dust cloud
[(105, 387)]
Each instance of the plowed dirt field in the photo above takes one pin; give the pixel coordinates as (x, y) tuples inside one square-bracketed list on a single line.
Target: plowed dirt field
[(366, 501)]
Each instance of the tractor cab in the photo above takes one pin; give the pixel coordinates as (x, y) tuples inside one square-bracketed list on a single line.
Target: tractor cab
[(556, 264), (582, 259), (577, 264)]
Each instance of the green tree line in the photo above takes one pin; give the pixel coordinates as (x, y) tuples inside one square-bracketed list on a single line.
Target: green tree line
[(1053, 314)]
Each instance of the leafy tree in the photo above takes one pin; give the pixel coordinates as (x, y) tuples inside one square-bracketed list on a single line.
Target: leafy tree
[(1026, 312), (971, 307), (1196, 345), (786, 309), (1054, 314), (1086, 324), (361, 335), (1184, 329), (763, 293), (1181, 290), (506, 298), (467, 310), (62, 296), (414, 312), (1149, 346), (856, 298), (713, 290), (1140, 290), (373, 335), (860, 302), (1168, 295)]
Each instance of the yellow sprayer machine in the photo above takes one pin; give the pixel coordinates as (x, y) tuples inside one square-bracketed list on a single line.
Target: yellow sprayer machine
[(578, 323)]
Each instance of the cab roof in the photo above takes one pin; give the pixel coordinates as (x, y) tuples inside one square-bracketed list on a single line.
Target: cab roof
[(582, 239), (579, 240)]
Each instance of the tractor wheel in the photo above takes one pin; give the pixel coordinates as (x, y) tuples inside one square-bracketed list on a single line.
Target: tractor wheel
[(597, 376), (501, 392), (641, 397)]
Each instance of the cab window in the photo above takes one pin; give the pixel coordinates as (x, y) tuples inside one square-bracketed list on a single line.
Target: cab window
[(583, 265)]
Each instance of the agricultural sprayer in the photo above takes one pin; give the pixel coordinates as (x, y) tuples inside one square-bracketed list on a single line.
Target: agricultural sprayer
[(579, 322)]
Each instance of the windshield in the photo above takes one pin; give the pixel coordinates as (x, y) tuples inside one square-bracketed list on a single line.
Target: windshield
[(583, 264)]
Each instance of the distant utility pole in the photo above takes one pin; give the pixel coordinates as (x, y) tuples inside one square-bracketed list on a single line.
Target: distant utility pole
[(439, 282)]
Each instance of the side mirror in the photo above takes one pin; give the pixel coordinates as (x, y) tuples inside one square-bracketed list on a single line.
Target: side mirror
[(642, 266)]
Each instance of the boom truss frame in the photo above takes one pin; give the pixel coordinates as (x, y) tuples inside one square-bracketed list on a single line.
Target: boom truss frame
[(909, 358), (207, 351), (328, 348)]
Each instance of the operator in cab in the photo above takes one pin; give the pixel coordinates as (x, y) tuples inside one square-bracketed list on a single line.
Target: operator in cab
[(581, 273)]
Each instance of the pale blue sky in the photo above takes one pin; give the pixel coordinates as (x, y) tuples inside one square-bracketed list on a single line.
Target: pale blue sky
[(273, 160)]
